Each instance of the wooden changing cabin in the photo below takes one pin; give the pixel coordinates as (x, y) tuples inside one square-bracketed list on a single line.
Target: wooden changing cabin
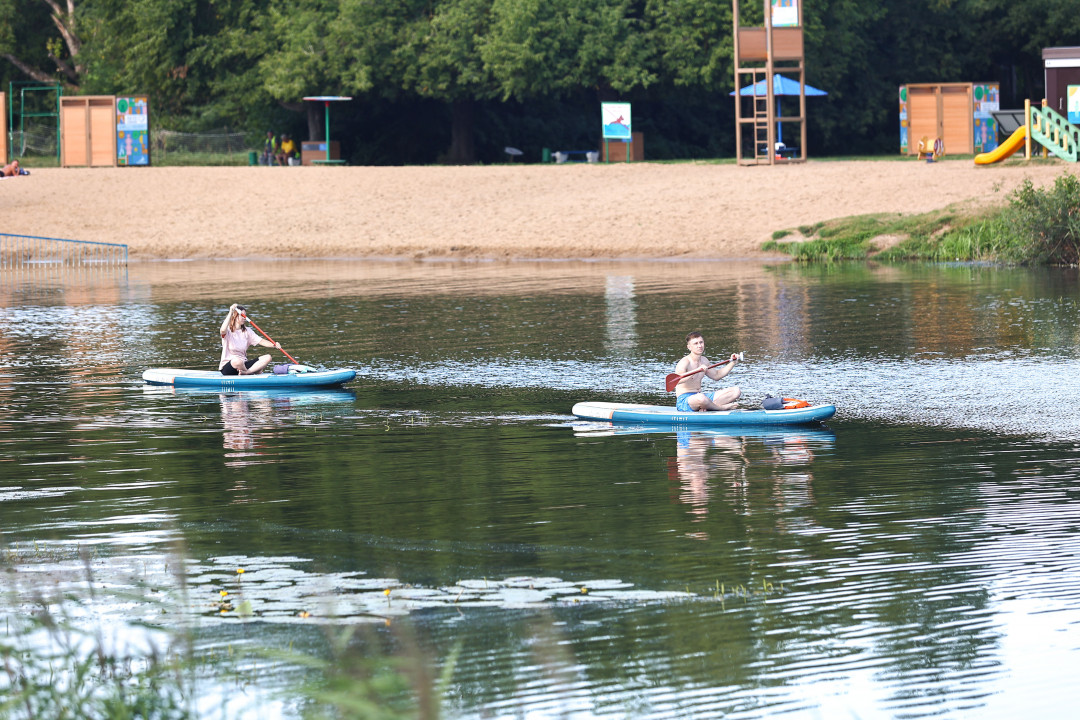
[(957, 113), (88, 131)]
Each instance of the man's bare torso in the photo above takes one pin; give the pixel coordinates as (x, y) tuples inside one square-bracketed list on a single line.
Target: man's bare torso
[(692, 383)]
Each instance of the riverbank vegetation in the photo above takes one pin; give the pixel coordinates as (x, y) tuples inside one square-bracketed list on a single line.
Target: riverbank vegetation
[(1035, 226)]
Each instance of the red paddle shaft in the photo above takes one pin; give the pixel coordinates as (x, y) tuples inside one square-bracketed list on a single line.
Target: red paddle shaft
[(270, 339), (673, 379)]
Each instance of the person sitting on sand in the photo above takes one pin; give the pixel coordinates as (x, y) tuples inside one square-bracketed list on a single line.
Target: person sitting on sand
[(688, 391), (12, 169), (287, 151), (236, 338)]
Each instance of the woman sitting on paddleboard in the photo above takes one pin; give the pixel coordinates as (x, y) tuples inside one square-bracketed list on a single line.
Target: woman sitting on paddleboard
[(236, 338), (688, 391)]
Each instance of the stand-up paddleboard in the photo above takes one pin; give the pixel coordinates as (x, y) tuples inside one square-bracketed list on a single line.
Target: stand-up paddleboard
[(818, 434), (323, 395), (667, 415), (263, 381)]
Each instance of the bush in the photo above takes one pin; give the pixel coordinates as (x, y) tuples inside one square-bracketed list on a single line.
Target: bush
[(1047, 221)]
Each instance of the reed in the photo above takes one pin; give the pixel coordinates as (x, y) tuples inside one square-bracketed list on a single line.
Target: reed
[(58, 661)]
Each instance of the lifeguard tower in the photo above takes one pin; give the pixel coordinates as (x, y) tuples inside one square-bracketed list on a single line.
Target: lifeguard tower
[(761, 53)]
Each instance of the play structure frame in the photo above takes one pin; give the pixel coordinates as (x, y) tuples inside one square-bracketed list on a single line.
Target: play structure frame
[(1052, 130), (3, 129), (765, 52), (23, 87), (1045, 126)]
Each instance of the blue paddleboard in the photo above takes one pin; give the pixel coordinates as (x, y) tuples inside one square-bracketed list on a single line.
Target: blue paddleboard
[(263, 381), (667, 415)]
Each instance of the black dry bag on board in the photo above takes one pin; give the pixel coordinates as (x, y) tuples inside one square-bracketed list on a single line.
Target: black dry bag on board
[(772, 403)]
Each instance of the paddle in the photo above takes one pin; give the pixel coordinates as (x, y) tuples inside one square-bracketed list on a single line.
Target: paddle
[(269, 338), (673, 379)]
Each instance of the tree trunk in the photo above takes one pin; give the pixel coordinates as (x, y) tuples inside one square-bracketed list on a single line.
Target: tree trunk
[(63, 17), (315, 122), (462, 147), (42, 77)]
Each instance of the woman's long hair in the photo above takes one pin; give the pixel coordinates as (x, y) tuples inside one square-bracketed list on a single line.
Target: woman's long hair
[(235, 320)]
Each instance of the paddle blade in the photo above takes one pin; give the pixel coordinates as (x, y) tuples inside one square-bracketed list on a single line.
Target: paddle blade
[(671, 381)]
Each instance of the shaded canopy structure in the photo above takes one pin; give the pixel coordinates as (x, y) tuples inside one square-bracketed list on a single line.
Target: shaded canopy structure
[(326, 100), (761, 53), (782, 85)]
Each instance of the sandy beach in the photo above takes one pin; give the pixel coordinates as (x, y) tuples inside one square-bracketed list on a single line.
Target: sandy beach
[(643, 210)]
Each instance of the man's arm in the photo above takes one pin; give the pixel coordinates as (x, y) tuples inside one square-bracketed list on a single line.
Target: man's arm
[(719, 373)]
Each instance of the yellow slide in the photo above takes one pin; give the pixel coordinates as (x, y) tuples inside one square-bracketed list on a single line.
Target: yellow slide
[(1005, 149)]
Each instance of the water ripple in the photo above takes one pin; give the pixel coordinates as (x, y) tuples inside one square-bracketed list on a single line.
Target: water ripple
[(1022, 396)]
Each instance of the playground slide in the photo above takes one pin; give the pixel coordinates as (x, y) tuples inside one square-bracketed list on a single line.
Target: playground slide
[(1005, 149)]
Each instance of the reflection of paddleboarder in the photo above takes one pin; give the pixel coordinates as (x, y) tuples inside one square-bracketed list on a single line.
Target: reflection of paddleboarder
[(695, 473), (727, 462), (242, 419), (236, 419)]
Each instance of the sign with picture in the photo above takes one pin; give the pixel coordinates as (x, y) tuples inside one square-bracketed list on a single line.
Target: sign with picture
[(785, 13), (615, 119), (132, 131), (1072, 103)]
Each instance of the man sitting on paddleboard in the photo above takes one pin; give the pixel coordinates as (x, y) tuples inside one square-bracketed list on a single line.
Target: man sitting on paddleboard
[(688, 391), (236, 338)]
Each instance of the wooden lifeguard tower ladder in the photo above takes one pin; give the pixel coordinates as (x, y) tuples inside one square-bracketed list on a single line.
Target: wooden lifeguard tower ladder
[(766, 51)]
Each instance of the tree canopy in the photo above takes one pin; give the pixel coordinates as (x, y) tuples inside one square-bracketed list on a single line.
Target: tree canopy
[(455, 80)]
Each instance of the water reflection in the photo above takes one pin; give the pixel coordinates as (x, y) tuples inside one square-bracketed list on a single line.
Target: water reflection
[(253, 420), (620, 330), (248, 423), (694, 472), (897, 567), (732, 466)]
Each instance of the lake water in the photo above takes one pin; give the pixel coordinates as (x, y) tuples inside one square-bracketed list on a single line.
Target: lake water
[(917, 557)]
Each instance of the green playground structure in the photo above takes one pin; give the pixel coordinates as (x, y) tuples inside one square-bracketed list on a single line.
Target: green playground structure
[(1044, 122), (1045, 126), (1051, 130)]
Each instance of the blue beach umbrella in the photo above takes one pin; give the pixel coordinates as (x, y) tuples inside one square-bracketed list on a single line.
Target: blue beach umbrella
[(782, 85)]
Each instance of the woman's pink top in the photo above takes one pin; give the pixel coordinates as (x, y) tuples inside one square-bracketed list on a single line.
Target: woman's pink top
[(235, 344)]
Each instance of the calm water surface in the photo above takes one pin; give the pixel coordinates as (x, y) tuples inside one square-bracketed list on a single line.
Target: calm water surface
[(917, 557)]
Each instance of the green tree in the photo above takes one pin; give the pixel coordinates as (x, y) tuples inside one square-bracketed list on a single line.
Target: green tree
[(305, 54), (141, 48), (551, 47), (41, 40), (442, 49), (693, 41)]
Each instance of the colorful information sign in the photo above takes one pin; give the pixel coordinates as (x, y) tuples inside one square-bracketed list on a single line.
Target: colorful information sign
[(785, 13), (615, 118), (1072, 103), (987, 101), (132, 131)]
